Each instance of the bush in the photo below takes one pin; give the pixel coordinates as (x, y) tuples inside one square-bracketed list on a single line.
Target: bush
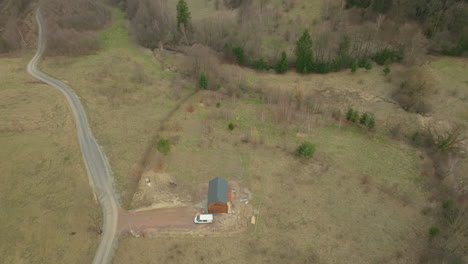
[(239, 54), (371, 123), (448, 204), (282, 65), (349, 114), (231, 126), (203, 81), (354, 66), (434, 231), (388, 55), (218, 104), (260, 65), (354, 117), (386, 70), (368, 65), (163, 146), (306, 149), (364, 119)]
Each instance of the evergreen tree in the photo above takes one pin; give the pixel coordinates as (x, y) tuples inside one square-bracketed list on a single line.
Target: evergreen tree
[(183, 14), (203, 81), (282, 65), (303, 52)]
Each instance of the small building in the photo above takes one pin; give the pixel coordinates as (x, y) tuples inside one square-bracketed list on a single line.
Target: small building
[(217, 196)]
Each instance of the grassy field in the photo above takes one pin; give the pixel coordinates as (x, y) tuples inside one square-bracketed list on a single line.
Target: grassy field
[(125, 92), (358, 201), (46, 201)]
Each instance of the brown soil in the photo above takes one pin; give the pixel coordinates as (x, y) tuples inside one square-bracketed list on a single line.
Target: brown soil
[(137, 221)]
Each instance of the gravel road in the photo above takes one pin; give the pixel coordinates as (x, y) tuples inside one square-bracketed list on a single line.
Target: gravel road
[(98, 169)]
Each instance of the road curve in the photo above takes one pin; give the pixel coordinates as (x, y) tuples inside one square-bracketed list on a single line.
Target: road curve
[(98, 168)]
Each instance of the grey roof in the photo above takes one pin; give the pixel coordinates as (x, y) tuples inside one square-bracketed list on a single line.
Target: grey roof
[(217, 190)]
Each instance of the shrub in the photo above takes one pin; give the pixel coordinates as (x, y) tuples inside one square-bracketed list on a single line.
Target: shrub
[(239, 54), (448, 204), (282, 65), (349, 114), (306, 149), (163, 146), (362, 63), (368, 65), (354, 117), (260, 65), (203, 81), (354, 66), (388, 55), (434, 231), (218, 86), (371, 123), (218, 104), (231, 126), (364, 119), (386, 70)]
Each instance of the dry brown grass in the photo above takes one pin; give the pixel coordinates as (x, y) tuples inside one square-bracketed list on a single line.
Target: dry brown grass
[(310, 212), (126, 94), (47, 203)]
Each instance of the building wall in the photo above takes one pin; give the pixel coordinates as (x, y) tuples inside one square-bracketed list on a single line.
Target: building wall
[(217, 208)]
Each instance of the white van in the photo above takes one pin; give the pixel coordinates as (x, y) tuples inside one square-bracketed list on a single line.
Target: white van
[(203, 219)]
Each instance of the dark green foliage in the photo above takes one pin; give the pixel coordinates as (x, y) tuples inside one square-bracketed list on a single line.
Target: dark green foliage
[(388, 55), (371, 123), (303, 51), (352, 115), (362, 62), (386, 69), (434, 231), (239, 54), (368, 65), (358, 3), (448, 204), (218, 104), (183, 14), (163, 146), (354, 66), (282, 65), (355, 117), (349, 114), (260, 65), (460, 49), (203, 81), (306, 149), (382, 6), (364, 119), (231, 126)]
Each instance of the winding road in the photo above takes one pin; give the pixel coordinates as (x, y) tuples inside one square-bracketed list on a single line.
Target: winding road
[(97, 166)]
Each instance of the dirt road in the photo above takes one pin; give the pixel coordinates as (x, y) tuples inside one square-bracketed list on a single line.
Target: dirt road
[(137, 221), (98, 169)]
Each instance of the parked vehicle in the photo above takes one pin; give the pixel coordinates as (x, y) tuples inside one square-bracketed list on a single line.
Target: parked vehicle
[(203, 219)]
